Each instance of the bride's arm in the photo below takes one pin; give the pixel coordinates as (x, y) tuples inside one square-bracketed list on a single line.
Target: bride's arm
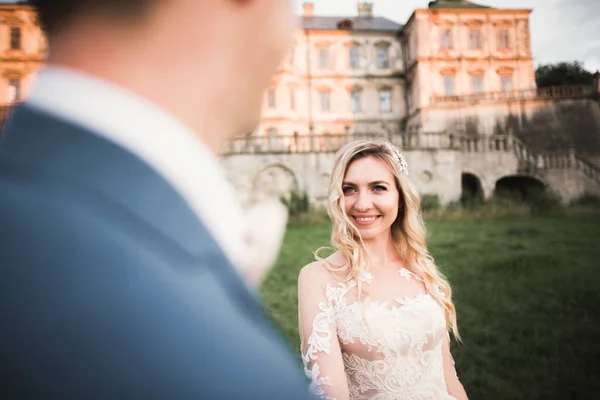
[(455, 387), (320, 348)]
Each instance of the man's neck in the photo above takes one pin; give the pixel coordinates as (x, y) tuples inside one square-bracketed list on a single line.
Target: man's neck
[(200, 113)]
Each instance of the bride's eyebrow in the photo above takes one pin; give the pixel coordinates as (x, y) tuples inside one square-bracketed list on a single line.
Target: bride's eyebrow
[(374, 183)]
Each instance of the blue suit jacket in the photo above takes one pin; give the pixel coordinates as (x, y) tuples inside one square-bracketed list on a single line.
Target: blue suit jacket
[(111, 288)]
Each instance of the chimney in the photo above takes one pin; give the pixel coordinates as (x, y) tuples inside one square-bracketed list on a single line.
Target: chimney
[(309, 9), (365, 9)]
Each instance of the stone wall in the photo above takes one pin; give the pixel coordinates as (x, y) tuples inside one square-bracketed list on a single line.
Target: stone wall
[(258, 175), (568, 187), (545, 125), (435, 167)]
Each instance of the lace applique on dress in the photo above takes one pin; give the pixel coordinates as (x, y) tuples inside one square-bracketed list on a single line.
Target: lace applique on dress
[(408, 274), (321, 335), (391, 349)]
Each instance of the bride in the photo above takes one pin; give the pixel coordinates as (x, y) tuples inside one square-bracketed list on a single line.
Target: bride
[(375, 316)]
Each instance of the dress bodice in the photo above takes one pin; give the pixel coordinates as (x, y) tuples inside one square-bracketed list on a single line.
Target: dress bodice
[(390, 349)]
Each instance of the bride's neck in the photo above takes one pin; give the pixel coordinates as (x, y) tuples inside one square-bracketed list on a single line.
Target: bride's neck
[(381, 250)]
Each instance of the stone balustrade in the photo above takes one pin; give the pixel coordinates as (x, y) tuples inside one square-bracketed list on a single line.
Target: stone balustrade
[(332, 143), (289, 144), (408, 142), (555, 92), (486, 143)]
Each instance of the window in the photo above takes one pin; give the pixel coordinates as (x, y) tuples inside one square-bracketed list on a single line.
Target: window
[(477, 83), (449, 85), (14, 90), (325, 98), (353, 55), (355, 105), (475, 39), (323, 58), (271, 99), (503, 39), (344, 24), (292, 99), (15, 38), (446, 42), (383, 57), (506, 82), (385, 101)]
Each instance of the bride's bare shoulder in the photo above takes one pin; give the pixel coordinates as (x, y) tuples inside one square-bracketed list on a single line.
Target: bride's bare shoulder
[(324, 271)]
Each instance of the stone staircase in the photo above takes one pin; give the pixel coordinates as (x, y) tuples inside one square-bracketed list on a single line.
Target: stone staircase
[(532, 161)]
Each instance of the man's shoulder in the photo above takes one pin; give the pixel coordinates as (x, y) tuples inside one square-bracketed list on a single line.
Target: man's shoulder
[(46, 220)]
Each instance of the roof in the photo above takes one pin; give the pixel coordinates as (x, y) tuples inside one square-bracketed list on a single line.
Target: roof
[(358, 23), (437, 4), (19, 4)]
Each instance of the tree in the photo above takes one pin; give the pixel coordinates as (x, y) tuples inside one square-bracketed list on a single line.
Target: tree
[(562, 74)]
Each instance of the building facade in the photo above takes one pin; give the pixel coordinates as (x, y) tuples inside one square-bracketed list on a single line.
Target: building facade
[(23, 51), (344, 74), (361, 74), (456, 49), (370, 74)]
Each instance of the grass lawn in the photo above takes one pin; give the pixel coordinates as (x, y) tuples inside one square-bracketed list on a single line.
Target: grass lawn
[(527, 293)]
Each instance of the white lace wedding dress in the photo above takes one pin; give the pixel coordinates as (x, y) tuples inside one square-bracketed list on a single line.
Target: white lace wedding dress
[(384, 348)]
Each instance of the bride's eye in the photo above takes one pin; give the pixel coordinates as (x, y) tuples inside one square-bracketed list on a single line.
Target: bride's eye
[(347, 189), (379, 188)]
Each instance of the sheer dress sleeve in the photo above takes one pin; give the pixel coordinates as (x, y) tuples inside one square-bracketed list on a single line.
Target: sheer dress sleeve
[(321, 352)]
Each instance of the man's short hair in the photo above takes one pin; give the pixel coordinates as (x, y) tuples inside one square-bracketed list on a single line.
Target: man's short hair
[(56, 14)]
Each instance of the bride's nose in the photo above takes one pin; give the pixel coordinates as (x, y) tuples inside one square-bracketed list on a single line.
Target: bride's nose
[(363, 201)]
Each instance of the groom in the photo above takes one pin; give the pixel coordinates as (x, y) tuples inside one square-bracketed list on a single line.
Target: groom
[(120, 239)]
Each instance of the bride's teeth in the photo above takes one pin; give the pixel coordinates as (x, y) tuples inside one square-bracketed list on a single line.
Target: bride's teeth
[(366, 219)]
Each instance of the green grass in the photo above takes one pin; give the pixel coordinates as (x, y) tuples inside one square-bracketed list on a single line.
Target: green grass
[(527, 294)]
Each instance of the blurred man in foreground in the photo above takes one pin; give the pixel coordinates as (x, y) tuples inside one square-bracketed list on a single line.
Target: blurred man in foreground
[(119, 235)]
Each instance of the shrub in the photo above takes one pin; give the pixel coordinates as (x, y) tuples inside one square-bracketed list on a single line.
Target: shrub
[(297, 203), (543, 202), (471, 199), (587, 200), (430, 202), (316, 216)]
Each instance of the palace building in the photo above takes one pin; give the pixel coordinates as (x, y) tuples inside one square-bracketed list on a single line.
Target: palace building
[(23, 50), (370, 74), (351, 74)]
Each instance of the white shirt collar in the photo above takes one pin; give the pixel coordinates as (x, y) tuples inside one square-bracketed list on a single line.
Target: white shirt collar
[(158, 138)]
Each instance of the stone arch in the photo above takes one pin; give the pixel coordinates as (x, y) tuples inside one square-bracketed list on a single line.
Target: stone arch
[(274, 180), (471, 188), (521, 187)]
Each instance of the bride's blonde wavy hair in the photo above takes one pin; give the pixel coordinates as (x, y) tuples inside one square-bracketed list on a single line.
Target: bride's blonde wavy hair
[(408, 230)]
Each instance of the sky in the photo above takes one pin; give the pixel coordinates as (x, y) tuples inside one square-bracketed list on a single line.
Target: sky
[(561, 30)]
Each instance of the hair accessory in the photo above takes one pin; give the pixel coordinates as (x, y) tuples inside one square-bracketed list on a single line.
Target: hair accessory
[(399, 158)]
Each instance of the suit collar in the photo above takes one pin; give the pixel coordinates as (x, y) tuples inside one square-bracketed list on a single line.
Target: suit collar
[(162, 141)]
